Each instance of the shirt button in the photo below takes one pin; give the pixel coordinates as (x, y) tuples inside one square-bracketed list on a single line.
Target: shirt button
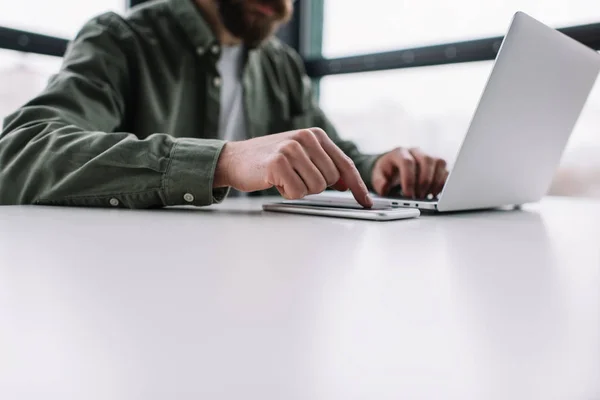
[(188, 197), (200, 51), (215, 49), (114, 202), (217, 81)]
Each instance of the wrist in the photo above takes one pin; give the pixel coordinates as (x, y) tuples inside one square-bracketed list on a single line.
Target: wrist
[(221, 178)]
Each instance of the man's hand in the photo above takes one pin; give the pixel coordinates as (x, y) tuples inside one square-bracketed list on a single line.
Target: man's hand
[(297, 163), (416, 172)]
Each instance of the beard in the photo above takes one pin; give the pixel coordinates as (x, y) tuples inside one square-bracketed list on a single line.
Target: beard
[(250, 26)]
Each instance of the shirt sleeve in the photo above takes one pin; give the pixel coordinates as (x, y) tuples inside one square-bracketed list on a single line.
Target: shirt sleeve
[(65, 146)]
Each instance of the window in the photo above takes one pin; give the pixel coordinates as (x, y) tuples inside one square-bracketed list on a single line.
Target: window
[(429, 107), (22, 76), (357, 27), (432, 107), (62, 18)]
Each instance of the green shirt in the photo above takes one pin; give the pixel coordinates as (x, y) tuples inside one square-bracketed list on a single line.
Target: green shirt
[(131, 118)]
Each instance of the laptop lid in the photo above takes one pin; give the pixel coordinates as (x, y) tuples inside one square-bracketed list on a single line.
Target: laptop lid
[(533, 98)]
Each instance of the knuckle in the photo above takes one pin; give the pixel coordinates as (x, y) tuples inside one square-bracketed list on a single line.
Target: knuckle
[(348, 162), (278, 160), (303, 135), (319, 133), (290, 147), (398, 153)]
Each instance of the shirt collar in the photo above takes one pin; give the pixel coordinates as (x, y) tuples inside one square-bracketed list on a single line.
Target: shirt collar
[(193, 23)]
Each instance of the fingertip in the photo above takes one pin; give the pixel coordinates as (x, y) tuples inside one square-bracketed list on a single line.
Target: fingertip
[(368, 201), (363, 198)]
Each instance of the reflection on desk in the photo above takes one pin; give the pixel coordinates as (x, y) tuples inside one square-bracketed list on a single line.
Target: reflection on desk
[(230, 302)]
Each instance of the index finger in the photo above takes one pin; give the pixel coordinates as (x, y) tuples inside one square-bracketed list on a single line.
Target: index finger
[(348, 172)]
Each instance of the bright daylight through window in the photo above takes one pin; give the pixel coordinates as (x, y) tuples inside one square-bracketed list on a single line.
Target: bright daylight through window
[(431, 107), (23, 75)]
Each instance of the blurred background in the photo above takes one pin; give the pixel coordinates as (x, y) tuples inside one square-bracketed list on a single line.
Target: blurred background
[(387, 72)]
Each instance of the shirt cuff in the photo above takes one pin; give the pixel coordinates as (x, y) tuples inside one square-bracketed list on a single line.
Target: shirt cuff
[(365, 166), (189, 177)]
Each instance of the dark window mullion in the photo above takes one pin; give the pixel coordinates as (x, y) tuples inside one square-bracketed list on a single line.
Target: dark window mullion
[(29, 42), (133, 3), (450, 53)]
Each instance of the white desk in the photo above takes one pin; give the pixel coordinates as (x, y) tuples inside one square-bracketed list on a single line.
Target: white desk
[(229, 303)]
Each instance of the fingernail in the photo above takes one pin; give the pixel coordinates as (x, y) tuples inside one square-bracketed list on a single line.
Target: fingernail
[(368, 201)]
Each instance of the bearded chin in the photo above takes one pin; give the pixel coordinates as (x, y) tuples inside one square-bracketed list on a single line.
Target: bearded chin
[(234, 17)]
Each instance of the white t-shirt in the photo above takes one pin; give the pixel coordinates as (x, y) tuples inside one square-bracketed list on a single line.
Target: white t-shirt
[(232, 121)]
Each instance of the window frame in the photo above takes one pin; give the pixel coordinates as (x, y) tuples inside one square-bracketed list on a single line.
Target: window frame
[(447, 53), (304, 33), (29, 42)]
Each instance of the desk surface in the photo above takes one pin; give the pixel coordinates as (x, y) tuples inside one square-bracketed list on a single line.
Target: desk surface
[(230, 303)]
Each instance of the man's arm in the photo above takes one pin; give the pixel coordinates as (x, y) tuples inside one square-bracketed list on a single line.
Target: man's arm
[(64, 147)]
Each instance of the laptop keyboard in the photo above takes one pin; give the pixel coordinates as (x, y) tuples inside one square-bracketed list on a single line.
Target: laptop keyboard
[(435, 200)]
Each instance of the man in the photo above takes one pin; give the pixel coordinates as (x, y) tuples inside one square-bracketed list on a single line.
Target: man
[(181, 101)]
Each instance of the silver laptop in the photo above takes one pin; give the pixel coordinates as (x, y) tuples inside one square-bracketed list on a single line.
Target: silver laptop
[(539, 84)]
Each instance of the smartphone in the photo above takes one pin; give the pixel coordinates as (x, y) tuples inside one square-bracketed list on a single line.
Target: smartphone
[(385, 214)]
